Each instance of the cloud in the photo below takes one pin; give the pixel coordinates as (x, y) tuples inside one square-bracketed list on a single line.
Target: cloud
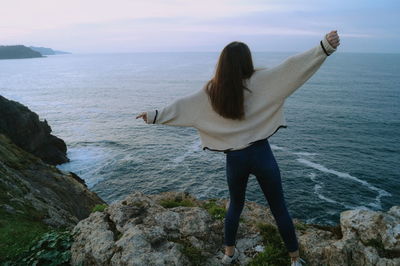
[(128, 25)]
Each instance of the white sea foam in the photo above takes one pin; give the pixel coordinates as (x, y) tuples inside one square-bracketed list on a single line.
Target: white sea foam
[(89, 161), (317, 189), (276, 147), (320, 167), (305, 153), (313, 177)]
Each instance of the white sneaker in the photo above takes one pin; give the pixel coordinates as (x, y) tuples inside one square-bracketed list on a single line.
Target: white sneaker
[(298, 262), (228, 260)]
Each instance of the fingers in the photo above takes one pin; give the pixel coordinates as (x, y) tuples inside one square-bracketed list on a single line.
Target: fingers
[(333, 38), (140, 115)]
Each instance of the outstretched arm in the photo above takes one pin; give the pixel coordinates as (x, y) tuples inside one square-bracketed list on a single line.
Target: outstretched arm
[(181, 112), (285, 78)]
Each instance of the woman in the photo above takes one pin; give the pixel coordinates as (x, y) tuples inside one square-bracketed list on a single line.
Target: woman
[(235, 113)]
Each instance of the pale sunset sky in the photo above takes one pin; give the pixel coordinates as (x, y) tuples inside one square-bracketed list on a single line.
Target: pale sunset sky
[(105, 26)]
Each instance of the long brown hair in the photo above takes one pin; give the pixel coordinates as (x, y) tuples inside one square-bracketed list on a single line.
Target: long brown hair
[(226, 88)]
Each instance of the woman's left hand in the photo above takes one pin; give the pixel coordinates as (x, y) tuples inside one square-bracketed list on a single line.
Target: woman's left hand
[(333, 38), (143, 115)]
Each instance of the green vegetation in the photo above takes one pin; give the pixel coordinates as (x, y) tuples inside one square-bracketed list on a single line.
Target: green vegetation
[(17, 231), (99, 207), (52, 248), (17, 52), (20, 227), (214, 210), (383, 253), (192, 253), (26, 240), (171, 203), (300, 226), (275, 252)]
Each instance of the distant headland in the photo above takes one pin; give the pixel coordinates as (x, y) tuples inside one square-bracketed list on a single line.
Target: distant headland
[(47, 51), (22, 51)]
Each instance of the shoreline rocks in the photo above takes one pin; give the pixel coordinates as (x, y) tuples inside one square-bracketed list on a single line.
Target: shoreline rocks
[(25, 129)]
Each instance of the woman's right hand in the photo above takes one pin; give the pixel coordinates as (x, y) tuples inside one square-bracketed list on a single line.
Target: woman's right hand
[(333, 38), (143, 115)]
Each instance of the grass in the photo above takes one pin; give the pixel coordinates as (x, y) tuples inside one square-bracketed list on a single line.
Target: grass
[(169, 203), (275, 252), (301, 226), (99, 207), (52, 248), (383, 253), (217, 212), (192, 253), (16, 234), (19, 230)]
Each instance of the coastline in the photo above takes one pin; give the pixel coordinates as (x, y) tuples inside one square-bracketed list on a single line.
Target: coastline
[(53, 212)]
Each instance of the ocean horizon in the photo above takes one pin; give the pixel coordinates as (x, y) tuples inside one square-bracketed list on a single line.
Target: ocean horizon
[(340, 150)]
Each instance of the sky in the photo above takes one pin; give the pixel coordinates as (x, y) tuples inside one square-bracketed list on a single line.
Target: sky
[(105, 26)]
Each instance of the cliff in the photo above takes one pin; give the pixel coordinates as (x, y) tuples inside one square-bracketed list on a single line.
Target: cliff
[(174, 228), (47, 51), (30, 187), (36, 199), (25, 129), (17, 52)]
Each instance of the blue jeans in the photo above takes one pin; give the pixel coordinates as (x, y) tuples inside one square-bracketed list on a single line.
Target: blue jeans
[(256, 159)]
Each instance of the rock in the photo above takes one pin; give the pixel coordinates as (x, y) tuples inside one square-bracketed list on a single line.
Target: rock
[(25, 129), (369, 225), (150, 234), (138, 230), (41, 191), (369, 238)]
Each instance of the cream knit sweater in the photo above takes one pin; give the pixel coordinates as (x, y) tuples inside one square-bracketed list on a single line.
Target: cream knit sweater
[(263, 106)]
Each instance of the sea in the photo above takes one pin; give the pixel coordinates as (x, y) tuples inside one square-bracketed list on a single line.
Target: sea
[(340, 151)]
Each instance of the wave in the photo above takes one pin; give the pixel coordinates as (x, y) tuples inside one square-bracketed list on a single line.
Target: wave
[(98, 143), (317, 191), (305, 153), (317, 188), (320, 167), (276, 147)]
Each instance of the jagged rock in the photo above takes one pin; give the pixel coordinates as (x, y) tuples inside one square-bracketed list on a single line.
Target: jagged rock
[(25, 129), (138, 230), (369, 238), (149, 234), (31, 187), (367, 225)]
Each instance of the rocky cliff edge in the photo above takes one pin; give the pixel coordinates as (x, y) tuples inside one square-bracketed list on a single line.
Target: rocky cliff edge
[(175, 228)]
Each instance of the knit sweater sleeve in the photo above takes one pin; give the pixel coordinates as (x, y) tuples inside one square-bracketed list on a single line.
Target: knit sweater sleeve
[(180, 112), (281, 81)]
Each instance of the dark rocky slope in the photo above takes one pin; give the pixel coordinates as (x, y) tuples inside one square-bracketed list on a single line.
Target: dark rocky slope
[(25, 129), (30, 186)]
